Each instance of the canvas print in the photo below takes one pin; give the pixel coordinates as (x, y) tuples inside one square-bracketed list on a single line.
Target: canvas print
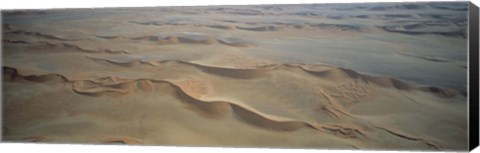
[(375, 76)]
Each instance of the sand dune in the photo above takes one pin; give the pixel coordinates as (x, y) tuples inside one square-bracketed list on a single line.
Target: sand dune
[(116, 86), (186, 39), (64, 46), (454, 33), (366, 76), (36, 34), (273, 26)]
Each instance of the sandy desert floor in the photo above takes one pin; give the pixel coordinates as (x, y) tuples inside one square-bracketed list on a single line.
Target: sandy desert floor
[(335, 76)]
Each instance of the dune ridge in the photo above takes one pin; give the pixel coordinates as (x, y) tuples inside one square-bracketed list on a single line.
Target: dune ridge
[(433, 59), (173, 39), (115, 86), (405, 30), (429, 143), (267, 26), (76, 47), (325, 72), (10, 73), (38, 34), (15, 41), (66, 46), (185, 39)]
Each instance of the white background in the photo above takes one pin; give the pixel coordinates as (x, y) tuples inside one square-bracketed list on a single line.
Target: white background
[(70, 148)]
